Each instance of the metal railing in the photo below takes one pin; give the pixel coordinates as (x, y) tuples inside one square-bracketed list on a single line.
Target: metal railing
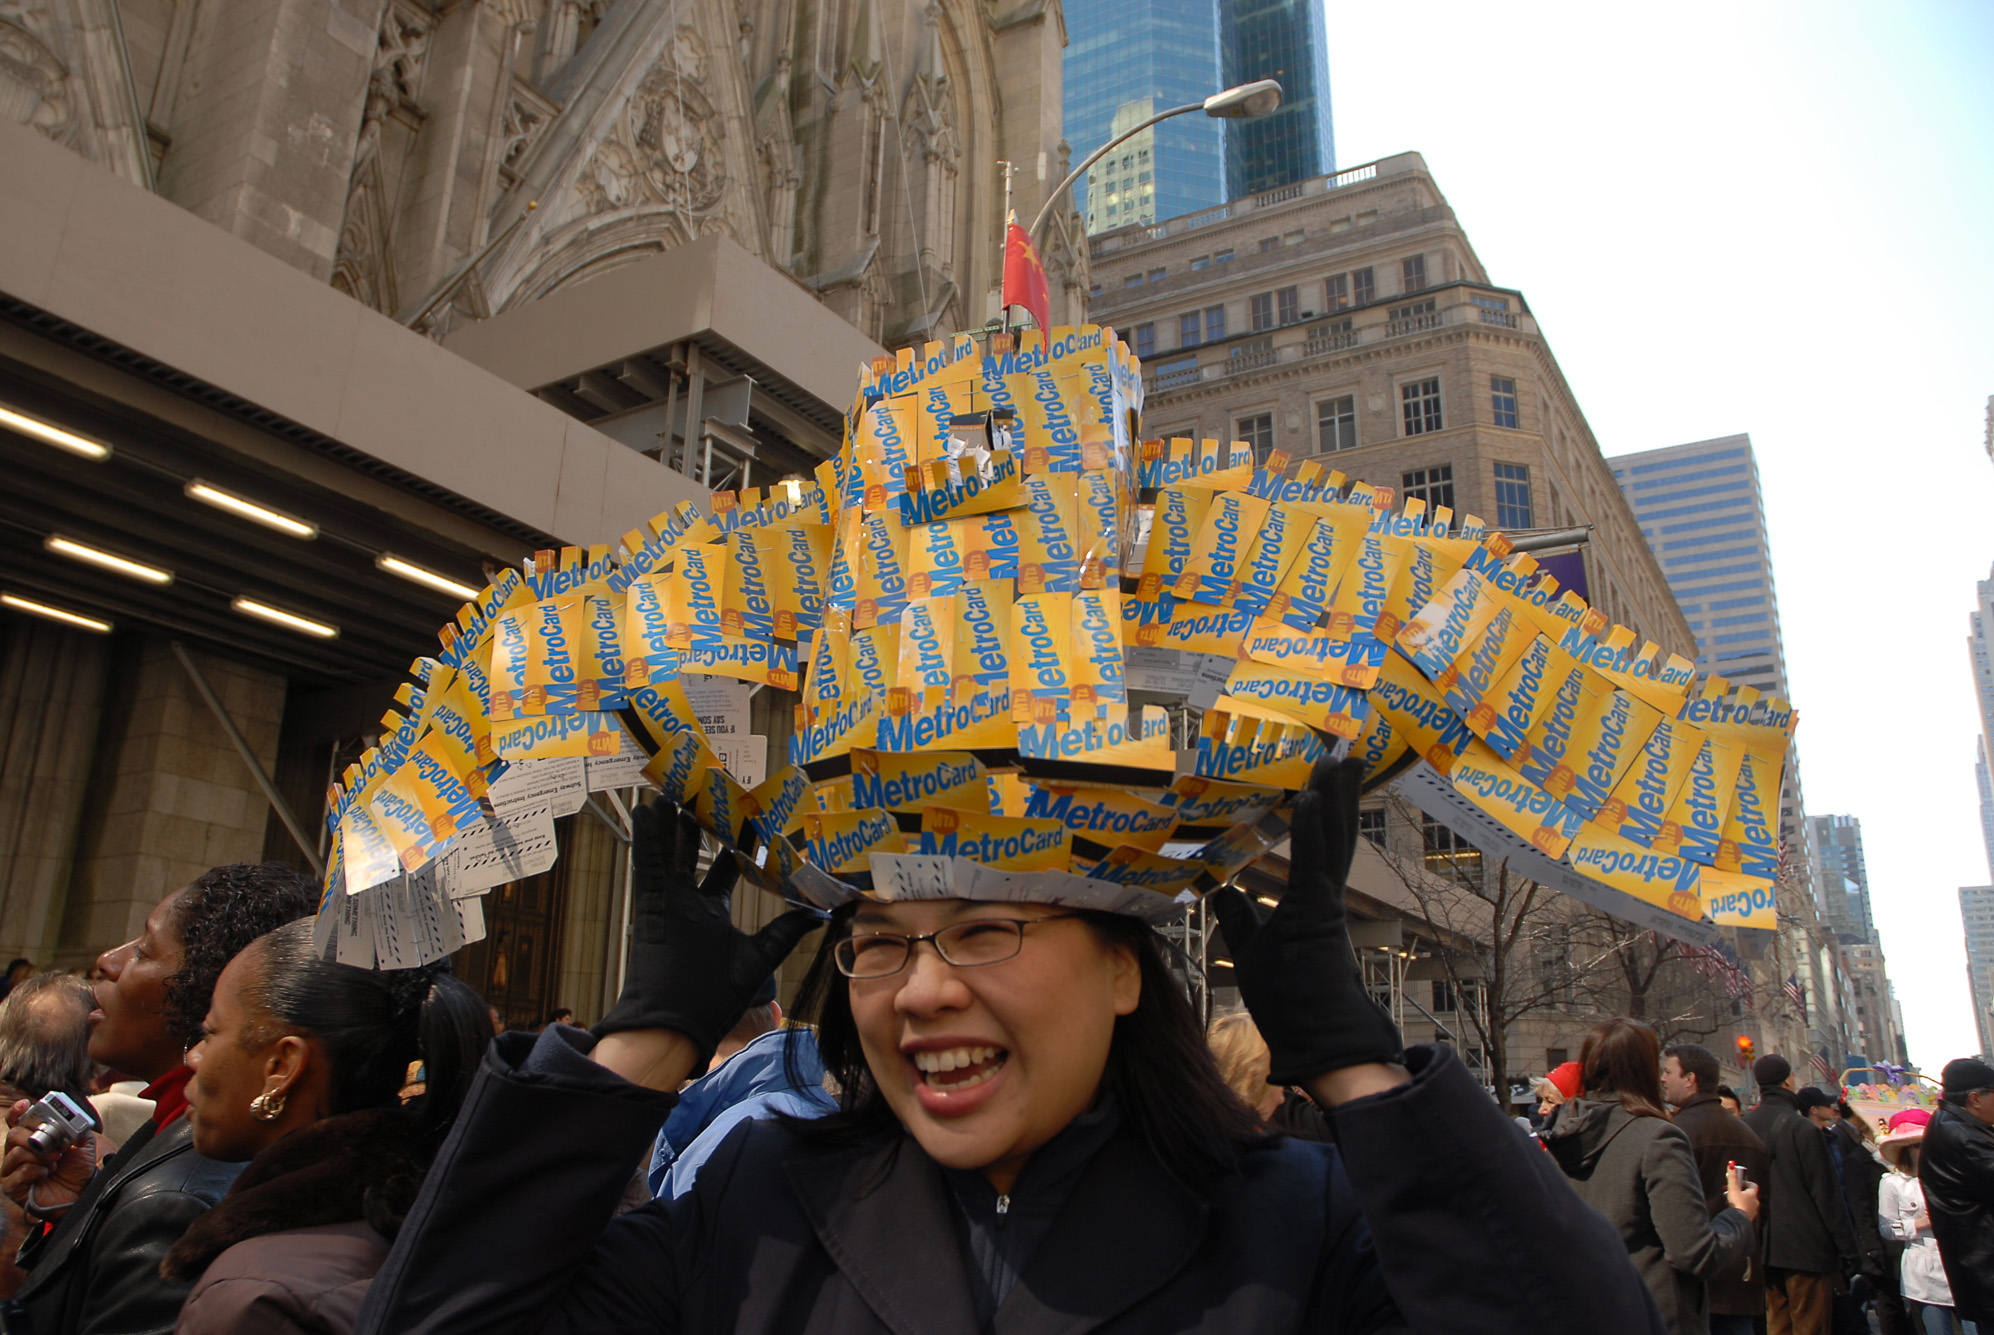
[(1507, 319), (1255, 359), (1412, 324), (1175, 375), (1335, 340)]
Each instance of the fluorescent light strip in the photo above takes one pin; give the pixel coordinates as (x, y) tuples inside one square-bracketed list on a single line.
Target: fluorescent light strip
[(53, 435), (250, 510), (288, 620), (76, 619), (394, 565), (55, 542)]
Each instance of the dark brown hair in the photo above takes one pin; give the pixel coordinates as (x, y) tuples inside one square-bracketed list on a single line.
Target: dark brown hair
[(1623, 1057), (1698, 1061)]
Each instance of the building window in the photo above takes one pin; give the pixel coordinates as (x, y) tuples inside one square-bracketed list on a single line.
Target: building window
[(1222, 256), (1512, 488), (1502, 393), (1187, 330), (1420, 402), (1145, 340), (1336, 292), (1095, 290), (1288, 305), (1156, 275), (1556, 1057), (1433, 485), (1371, 824), (1263, 311), (1214, 323), (1414, 272), (1443, 996), (1336, 424), (1258, 431), (1363, 287), (1201, 262), (1447, 853), (1133, 280), (1268, 243)]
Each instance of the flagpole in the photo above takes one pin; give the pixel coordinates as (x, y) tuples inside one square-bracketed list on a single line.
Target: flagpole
[(1004, 243)]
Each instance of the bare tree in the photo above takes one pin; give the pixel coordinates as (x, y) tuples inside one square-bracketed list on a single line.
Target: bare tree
[(1654, 979)]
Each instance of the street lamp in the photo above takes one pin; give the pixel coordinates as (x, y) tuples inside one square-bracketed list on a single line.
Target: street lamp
[(1245, 102)]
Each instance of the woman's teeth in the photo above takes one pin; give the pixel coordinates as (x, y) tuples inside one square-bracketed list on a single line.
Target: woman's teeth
[(939, 1063)]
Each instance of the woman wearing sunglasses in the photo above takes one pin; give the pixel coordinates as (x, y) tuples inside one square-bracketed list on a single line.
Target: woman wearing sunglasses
[(1032, 1136)]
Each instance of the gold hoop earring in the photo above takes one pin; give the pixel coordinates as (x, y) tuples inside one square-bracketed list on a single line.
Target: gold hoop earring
[(267, 1106)]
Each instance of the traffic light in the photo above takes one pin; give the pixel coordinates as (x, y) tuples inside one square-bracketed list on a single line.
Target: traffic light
[(1744, 1051)]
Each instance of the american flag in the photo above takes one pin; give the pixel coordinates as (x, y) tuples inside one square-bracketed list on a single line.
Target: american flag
[(1717, 965), (1822, 1065), (1793, 993)]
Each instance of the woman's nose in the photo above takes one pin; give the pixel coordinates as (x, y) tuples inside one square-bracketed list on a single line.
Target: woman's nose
[(929, 982), (114, 960)]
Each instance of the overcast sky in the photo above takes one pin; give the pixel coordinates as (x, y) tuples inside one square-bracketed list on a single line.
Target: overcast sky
[(1773, 219)]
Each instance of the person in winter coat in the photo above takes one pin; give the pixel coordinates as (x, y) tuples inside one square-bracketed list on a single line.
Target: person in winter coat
[(1901, 1214), (1032, 1136), (95, 1270), (300, 1075), (1717, 1139), (1862, 1176), (1633, 1165), (1958, 1176), (1809, 1246), (763, 1071)]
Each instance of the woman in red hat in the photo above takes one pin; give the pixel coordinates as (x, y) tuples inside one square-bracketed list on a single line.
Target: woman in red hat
[(1900, 1208)]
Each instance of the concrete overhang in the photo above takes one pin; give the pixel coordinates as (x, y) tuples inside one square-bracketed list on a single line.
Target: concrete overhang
[(711, 292), (94, 252)]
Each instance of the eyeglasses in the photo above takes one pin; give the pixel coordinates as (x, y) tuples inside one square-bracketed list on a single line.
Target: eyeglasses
[(964, 944)]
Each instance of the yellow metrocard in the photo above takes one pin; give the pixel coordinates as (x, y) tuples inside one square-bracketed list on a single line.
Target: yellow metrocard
[(1098, 511), (1749, 844), (1360, 599), (1339, 711), (720, 804), (1435, 733), (839, 841), (1665, 880), (1696, 821), (1096, 636), (1379, 746), (1041, 657), (885, 450), (1488, 781), (1121, 737), (1048, 532), (1131, 864), (678, 768), (1428, 567), (873, 660), (1639, 804), (1605, 747), (1175, 522), (1284, 531), (1313, 654), (537, 737), (1196, 627), (1009, 792), (780, 801), (1547, 756), (909, 781), (1212, 573), (1332, 546), (1487, 659), (1735, 900), (937, 557), (824, 731), (924, 678), (1201, 801), (1111, 816), (982, 619), (1013, 843), (880, 583)]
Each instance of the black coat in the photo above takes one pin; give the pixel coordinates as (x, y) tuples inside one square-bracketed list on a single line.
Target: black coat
[(1958, 1172), (1862, 1180), (98, 1272), (1717, 1139), (1447, 1220), (1804, 1220)]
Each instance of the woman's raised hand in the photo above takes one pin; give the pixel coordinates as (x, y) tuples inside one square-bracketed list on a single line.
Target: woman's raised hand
[(691, 970), (1297, 972)]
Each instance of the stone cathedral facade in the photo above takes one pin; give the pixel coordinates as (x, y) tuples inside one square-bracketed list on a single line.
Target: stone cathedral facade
[(445, 160)]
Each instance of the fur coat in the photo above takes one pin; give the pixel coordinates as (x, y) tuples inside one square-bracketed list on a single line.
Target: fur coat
[(294, 1246)]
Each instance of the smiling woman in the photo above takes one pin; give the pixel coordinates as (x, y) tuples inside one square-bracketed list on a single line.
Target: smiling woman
[(1032, 1136)]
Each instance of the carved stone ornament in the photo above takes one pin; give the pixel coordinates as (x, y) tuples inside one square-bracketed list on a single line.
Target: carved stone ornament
[(34, 87), (663, 149)]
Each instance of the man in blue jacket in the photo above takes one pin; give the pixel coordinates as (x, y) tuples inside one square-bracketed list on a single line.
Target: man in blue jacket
[(749, 1080)]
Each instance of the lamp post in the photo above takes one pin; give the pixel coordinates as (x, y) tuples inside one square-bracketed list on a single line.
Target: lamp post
[(1245, 102)]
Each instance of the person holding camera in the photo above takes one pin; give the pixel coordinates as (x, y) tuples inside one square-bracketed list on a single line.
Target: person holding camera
[(44, 1048), (1032, 1135), (300, 1074), (94, 1263)]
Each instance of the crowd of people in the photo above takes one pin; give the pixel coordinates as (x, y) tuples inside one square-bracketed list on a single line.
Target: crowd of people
[(984, 1116)]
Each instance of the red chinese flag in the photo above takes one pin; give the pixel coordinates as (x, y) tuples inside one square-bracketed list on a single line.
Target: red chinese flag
[(1024, 276)]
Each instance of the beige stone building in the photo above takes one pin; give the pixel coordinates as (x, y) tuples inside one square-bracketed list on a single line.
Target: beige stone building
[(1349, 315), (443, 281)]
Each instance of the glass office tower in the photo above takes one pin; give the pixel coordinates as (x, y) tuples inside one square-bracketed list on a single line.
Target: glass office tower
[(1277, 39), (1126, 60)]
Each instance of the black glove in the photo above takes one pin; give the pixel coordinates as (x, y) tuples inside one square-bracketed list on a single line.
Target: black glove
[(690, 969), (1297, 973)]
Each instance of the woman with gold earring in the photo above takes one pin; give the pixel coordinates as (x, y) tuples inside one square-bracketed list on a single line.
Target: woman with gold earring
[(300, 1074)]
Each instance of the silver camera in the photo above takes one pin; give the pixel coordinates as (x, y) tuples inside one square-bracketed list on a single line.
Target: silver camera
[(59, 1121)]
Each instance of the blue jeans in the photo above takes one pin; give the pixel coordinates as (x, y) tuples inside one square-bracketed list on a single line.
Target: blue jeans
[(1933, 1321)]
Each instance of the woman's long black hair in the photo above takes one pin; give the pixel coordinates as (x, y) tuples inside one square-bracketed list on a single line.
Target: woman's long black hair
[(373, 1024), (1160, 1072)]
